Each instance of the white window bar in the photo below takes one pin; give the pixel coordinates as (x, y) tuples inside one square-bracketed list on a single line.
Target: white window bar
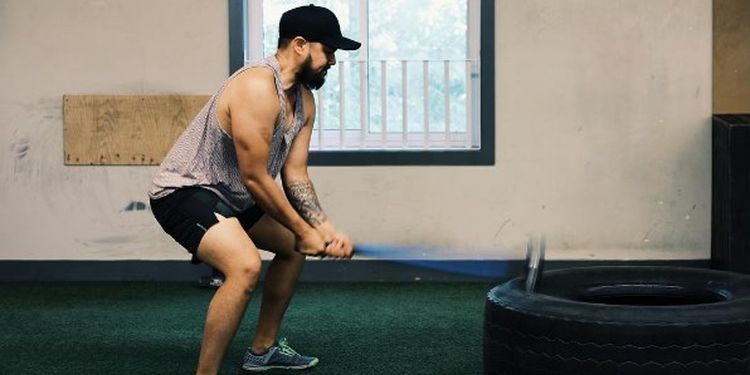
[(255, 17), (364, 101), (446, 88), (467, 88), (426, 100), (383, 105), (473, 115), (404, 106)]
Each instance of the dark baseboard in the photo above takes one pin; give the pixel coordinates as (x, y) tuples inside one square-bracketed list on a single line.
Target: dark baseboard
[(314, 271)]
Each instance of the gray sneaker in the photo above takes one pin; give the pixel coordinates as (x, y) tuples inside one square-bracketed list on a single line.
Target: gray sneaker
[(279, 356)]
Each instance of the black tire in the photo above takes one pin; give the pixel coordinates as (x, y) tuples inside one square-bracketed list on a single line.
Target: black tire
[(620, 320)]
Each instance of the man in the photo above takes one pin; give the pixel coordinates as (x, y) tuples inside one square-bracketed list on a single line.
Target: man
[(215, 192)]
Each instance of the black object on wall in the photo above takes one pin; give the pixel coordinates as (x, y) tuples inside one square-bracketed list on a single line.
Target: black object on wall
[(730, 211)]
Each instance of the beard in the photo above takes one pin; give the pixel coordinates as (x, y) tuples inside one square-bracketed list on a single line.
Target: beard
[(307, 76)]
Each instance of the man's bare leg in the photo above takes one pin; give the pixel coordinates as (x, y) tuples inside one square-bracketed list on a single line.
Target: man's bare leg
[(280, 280), (226, 247)]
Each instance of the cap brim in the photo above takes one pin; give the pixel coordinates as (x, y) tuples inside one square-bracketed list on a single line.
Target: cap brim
[(342, 43)]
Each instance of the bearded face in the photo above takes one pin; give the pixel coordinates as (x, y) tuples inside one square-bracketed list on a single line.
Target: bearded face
[(312, 79)]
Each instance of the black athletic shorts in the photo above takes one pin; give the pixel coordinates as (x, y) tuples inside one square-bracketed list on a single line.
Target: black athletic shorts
[(187, 213)]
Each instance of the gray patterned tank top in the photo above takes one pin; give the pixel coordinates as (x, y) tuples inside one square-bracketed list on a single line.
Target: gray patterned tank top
[(204, 155)]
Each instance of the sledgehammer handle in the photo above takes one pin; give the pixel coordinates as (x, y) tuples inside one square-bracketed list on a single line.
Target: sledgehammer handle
[(534, 262)]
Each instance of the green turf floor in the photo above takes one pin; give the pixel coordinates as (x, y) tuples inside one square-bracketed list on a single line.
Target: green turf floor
[(155, 328)]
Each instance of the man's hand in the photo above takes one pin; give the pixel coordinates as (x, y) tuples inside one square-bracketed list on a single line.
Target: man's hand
[(327, 230), (340, 246), (310, 243)]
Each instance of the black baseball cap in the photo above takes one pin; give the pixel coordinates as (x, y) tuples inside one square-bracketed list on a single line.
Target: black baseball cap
[(316, 24)]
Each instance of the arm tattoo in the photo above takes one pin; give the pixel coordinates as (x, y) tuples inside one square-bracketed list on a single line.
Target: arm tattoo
[(302, 197)]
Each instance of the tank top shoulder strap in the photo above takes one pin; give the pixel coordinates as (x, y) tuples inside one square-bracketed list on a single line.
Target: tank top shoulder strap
[(271, 63)]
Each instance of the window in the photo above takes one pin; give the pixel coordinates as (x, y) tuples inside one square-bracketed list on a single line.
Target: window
[(418, 92)]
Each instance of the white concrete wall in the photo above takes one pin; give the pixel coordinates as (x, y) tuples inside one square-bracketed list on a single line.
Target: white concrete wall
[(603, 133)]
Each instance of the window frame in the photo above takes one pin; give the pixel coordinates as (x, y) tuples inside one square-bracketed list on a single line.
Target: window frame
[(483, 156)]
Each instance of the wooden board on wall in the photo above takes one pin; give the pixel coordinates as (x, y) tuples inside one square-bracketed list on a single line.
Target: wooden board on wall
[(731, 56), (124, 129)]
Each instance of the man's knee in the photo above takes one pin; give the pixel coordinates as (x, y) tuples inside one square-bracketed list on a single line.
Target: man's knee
[(246, 273)]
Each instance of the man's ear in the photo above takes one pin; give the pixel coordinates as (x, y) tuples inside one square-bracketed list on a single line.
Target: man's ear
[(300, 45)]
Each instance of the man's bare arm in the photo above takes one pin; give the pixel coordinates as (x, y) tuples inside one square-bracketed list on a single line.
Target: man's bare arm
[(301, 194), (299, 187), (297, 183)]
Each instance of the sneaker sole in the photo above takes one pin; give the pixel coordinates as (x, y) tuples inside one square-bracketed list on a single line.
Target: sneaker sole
[(266, 368)]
